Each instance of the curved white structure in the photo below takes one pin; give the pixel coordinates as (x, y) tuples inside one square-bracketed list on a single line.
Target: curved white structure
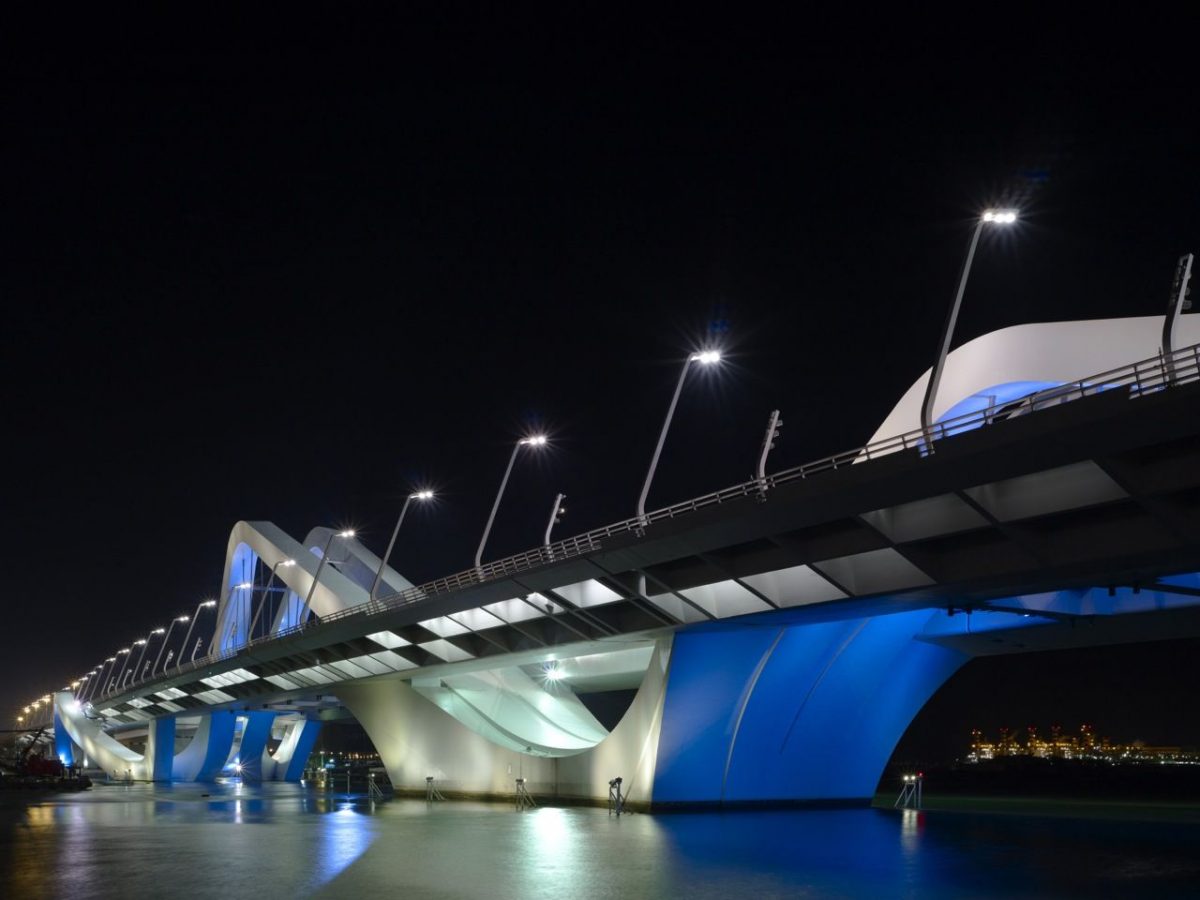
[(417, 740), (101, 749), (345, 580), (1024, 358)]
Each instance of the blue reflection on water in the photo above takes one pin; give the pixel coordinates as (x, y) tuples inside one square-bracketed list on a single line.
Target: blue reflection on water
[(301, 843), (345, 836)]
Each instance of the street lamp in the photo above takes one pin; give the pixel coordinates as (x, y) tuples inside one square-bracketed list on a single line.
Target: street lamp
[(234, 609), (203, 604), (94, 678), (537, 440), (705, 358), (98, 689), (556, 514), (113, 682), (989, 217), (283, 563), (419, 495), (348, 533), (129, 673), (166, 640), (149, 638)]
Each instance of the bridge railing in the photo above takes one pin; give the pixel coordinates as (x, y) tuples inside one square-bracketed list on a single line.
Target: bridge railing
[(1146, 376)]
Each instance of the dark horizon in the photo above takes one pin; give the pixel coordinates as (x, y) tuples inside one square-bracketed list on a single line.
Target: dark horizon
[(237, 294)]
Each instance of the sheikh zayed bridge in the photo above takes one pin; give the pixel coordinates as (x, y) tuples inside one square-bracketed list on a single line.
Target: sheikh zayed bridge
[(776, 637)]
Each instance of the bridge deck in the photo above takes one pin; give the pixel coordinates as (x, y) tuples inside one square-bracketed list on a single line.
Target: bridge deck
[(1098, 488)]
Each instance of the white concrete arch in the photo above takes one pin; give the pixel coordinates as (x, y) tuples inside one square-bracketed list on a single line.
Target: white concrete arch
[(416, 739), (251, 541), (351, 561), (356, 562), (509, 708), (102, 749), (1057, 352)]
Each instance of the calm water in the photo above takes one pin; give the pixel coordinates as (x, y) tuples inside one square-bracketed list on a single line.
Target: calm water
[(284, 841)]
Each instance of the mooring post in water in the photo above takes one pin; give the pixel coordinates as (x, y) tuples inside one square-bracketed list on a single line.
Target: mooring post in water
[(616, 803), (524, 799)]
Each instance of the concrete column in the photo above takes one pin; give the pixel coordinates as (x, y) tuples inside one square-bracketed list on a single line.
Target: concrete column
[(206, 755), (292, 755), (793, 713), (418, 739), (254, 744), (160, 748)]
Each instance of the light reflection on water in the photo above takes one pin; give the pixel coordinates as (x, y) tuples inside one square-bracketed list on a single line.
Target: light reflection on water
[(231, 841)]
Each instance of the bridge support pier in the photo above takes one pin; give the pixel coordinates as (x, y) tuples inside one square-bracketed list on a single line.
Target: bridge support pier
[(765, 712), (292, 754), (417, 739), (206, 755), (255, 735), (160, 749), (102, 750), (64, 747)]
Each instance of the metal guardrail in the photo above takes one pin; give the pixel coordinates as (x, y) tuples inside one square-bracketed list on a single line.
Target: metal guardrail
[(1146, 376)]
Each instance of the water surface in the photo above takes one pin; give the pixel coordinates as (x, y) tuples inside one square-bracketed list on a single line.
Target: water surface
[(231, 841)]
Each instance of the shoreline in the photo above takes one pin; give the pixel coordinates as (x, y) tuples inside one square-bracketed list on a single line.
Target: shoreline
[(1149, 810)]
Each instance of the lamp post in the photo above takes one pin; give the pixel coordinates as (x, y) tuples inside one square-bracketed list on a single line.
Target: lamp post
[(100, 680), (187, 637), (85, 681), (537, 440), (89, 684), (125, 670), (149, 638), (283, 563), (705, 358), (234, 608), (989, 217), (419, 495), (556, 514), (348, 533), (112, 682), (166, 640)]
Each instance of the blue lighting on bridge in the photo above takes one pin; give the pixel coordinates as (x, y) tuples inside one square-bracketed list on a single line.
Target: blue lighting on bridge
[(64, 748), (993, 398), (809, 711)]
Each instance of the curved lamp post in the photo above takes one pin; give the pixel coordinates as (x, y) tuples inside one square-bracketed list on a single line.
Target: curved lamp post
[(115, 681), (387, 554), (989, 217), (556, 514), (705, 358), (149, 638), (166, 640), (234, 608), (97, 689), (282, 564), (203, 604), (348, 533), (128, 672), (537, 440)]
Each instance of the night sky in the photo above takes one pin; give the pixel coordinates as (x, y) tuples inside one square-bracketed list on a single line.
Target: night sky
[(256, 276)]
